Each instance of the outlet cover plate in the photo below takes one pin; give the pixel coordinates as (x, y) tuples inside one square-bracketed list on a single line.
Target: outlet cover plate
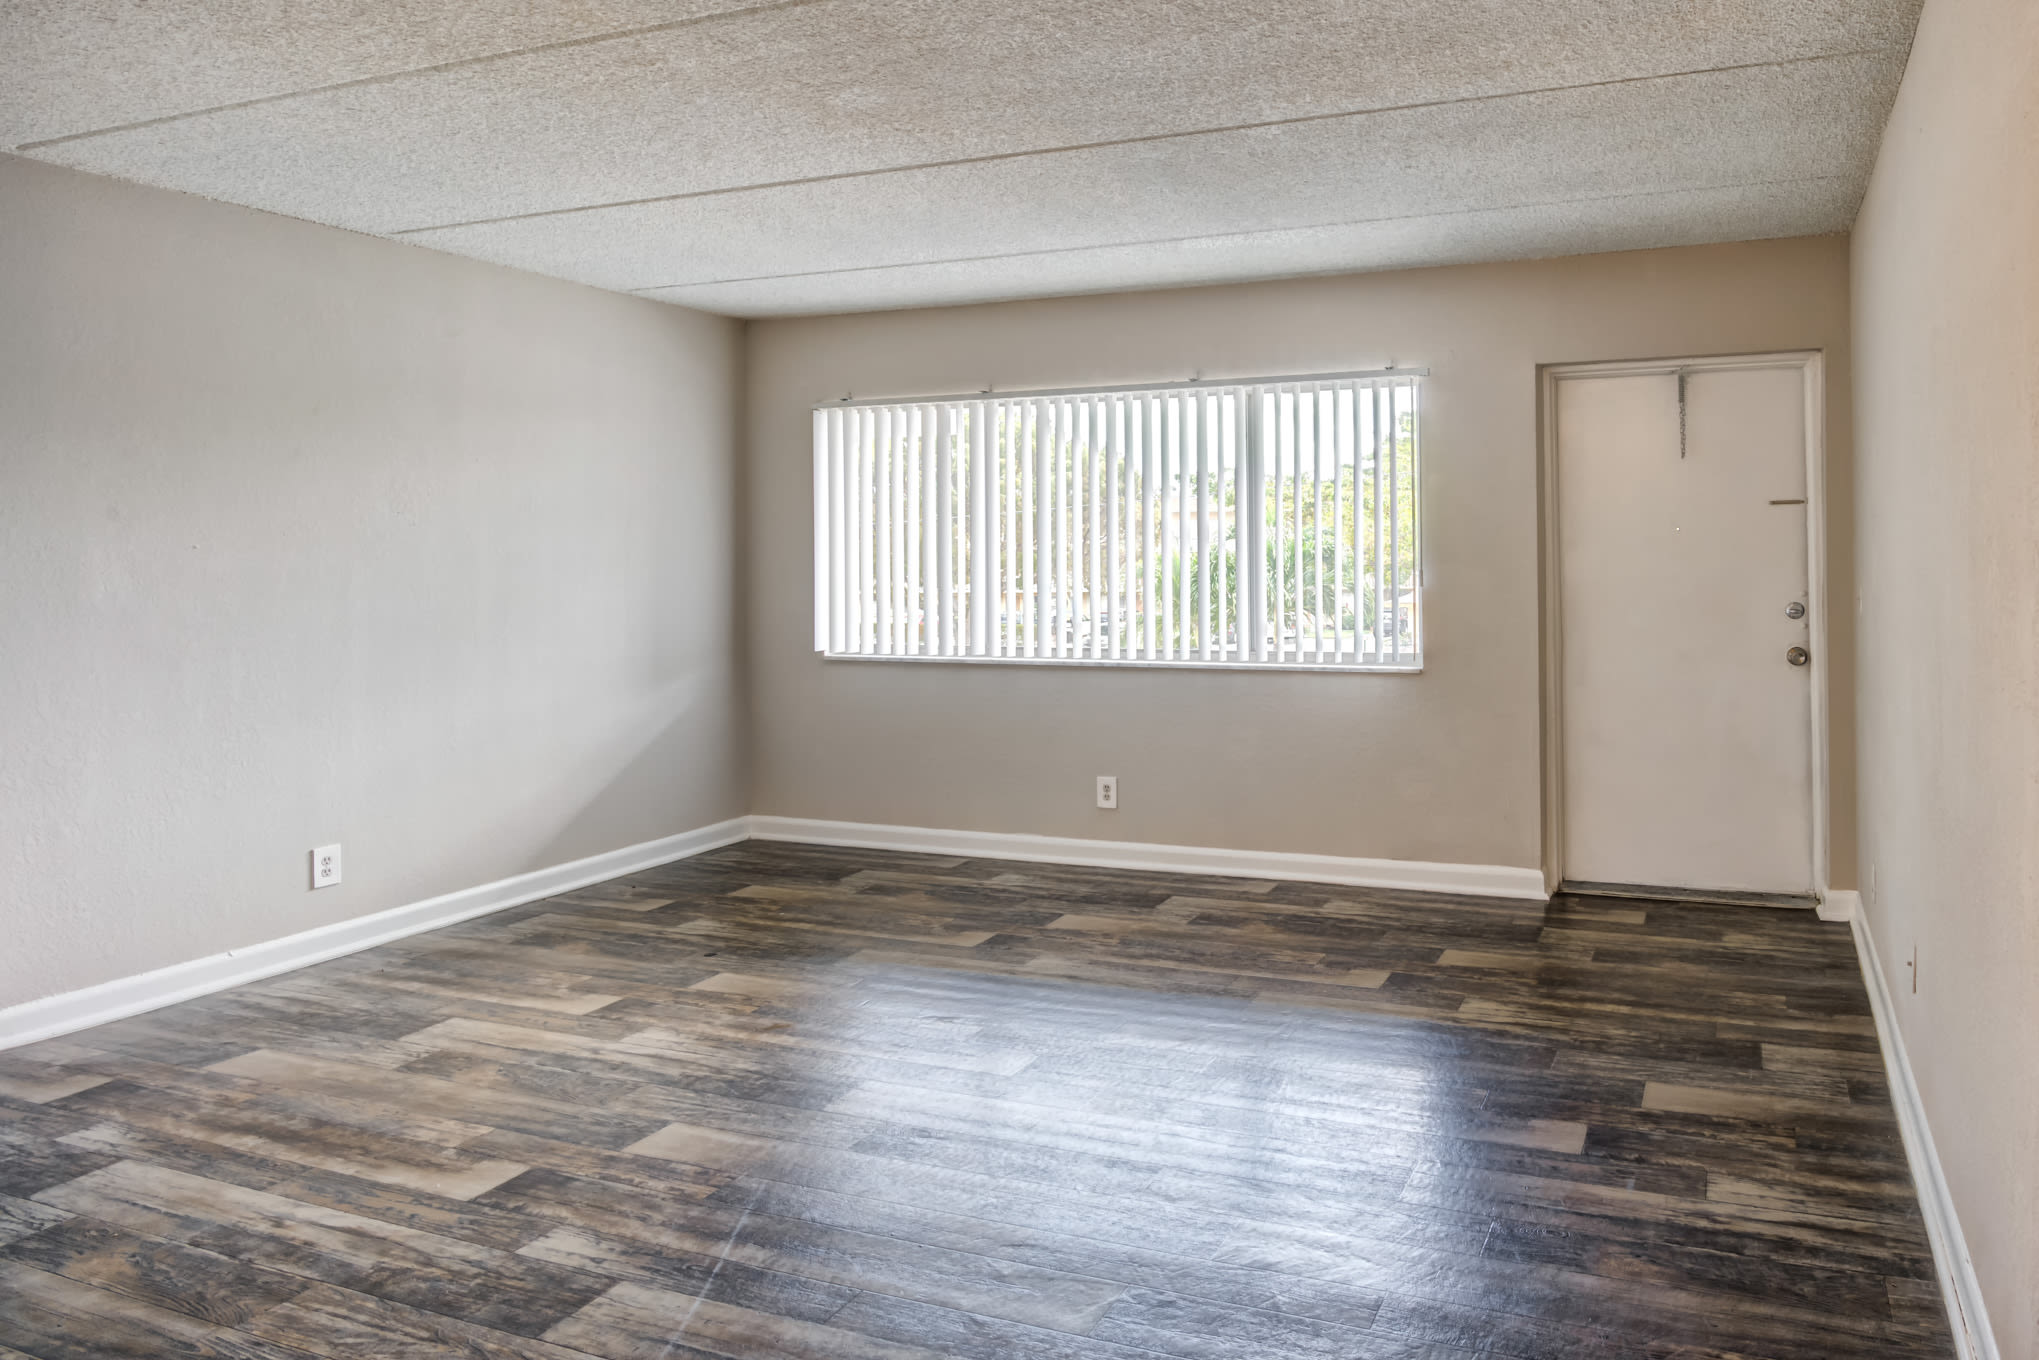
[(325, 866)]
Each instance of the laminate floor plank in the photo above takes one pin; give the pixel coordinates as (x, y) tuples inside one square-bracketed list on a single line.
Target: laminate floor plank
[(53, 1317), (784, 1100), (30, 1162), (609, 1228), (21, 1218), (170, 1275), (309, 1139), (971, 1336), (1152, 1266), (483, 1285), (345, 1325), (400, 1205), (638, 1322)]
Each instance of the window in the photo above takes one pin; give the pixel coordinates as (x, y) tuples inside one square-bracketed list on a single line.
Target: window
[(1259, 524)]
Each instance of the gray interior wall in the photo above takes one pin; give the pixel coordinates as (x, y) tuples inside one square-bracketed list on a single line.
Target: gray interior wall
[(1441, 766), (1946, 278), (308, 537)]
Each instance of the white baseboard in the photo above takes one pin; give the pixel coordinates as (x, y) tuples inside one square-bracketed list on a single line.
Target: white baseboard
[(51, 1016), (1477, 880), (1973, 1339), (1840, 904)]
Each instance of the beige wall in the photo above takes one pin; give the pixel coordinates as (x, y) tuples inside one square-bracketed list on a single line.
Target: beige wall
[(1441, 766), (308, 537), (1946, 278)]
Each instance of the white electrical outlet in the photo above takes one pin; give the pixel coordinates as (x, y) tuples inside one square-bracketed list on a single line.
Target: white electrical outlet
[(325, 866), (1108, 791)]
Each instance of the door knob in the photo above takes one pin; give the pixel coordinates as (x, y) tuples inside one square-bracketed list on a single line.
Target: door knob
[(1798, 656), (1794, 610)]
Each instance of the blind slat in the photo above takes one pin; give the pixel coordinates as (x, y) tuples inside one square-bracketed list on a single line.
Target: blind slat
[(1202, 578), (1319, 439), (1306, 515), (1150, 528), (1256, 515), (1007, 473), (1414, 514), (1175, 579), (1068, 525), (882, 573), (1071, 597), (824, 534), (1341, 414), (1381, 582), (910, 508), (860, 498), (1395, 523), (942, 540), (1221, 407), (1043, 546), (1115, 454), (979, 542)]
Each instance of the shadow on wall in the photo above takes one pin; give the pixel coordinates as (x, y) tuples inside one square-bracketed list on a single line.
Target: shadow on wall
[(672, 768)]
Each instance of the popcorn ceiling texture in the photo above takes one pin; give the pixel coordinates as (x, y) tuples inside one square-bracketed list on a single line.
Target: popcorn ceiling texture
[(1695, 217), (1436, 133), (70, 66), (1299, 177)]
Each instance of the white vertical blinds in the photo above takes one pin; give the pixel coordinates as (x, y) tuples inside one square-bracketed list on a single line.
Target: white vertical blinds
[(1261, 524)]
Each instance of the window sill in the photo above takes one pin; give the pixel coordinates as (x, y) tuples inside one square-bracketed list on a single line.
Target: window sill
[(1411, 665)]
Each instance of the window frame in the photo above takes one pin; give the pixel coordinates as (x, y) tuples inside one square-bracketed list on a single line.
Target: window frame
[(830, 507)]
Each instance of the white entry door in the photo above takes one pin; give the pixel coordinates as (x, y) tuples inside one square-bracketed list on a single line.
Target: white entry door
[(1685, 687)]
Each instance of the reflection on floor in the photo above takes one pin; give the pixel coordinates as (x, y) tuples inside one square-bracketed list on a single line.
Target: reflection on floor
[(791, 1101)]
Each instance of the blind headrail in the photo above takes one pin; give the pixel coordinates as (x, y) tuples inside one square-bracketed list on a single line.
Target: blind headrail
[(1209, 384)]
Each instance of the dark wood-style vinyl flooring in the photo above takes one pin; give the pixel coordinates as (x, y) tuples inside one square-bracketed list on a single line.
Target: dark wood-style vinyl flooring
[(790, 1101)]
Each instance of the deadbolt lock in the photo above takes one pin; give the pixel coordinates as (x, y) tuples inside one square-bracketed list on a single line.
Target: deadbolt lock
[(1798, 656), (1794, 610)]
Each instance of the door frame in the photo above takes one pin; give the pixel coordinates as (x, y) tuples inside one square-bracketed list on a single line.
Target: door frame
[(1811, 366)]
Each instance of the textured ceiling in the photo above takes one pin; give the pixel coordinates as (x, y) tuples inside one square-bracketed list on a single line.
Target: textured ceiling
[(828, 155)]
